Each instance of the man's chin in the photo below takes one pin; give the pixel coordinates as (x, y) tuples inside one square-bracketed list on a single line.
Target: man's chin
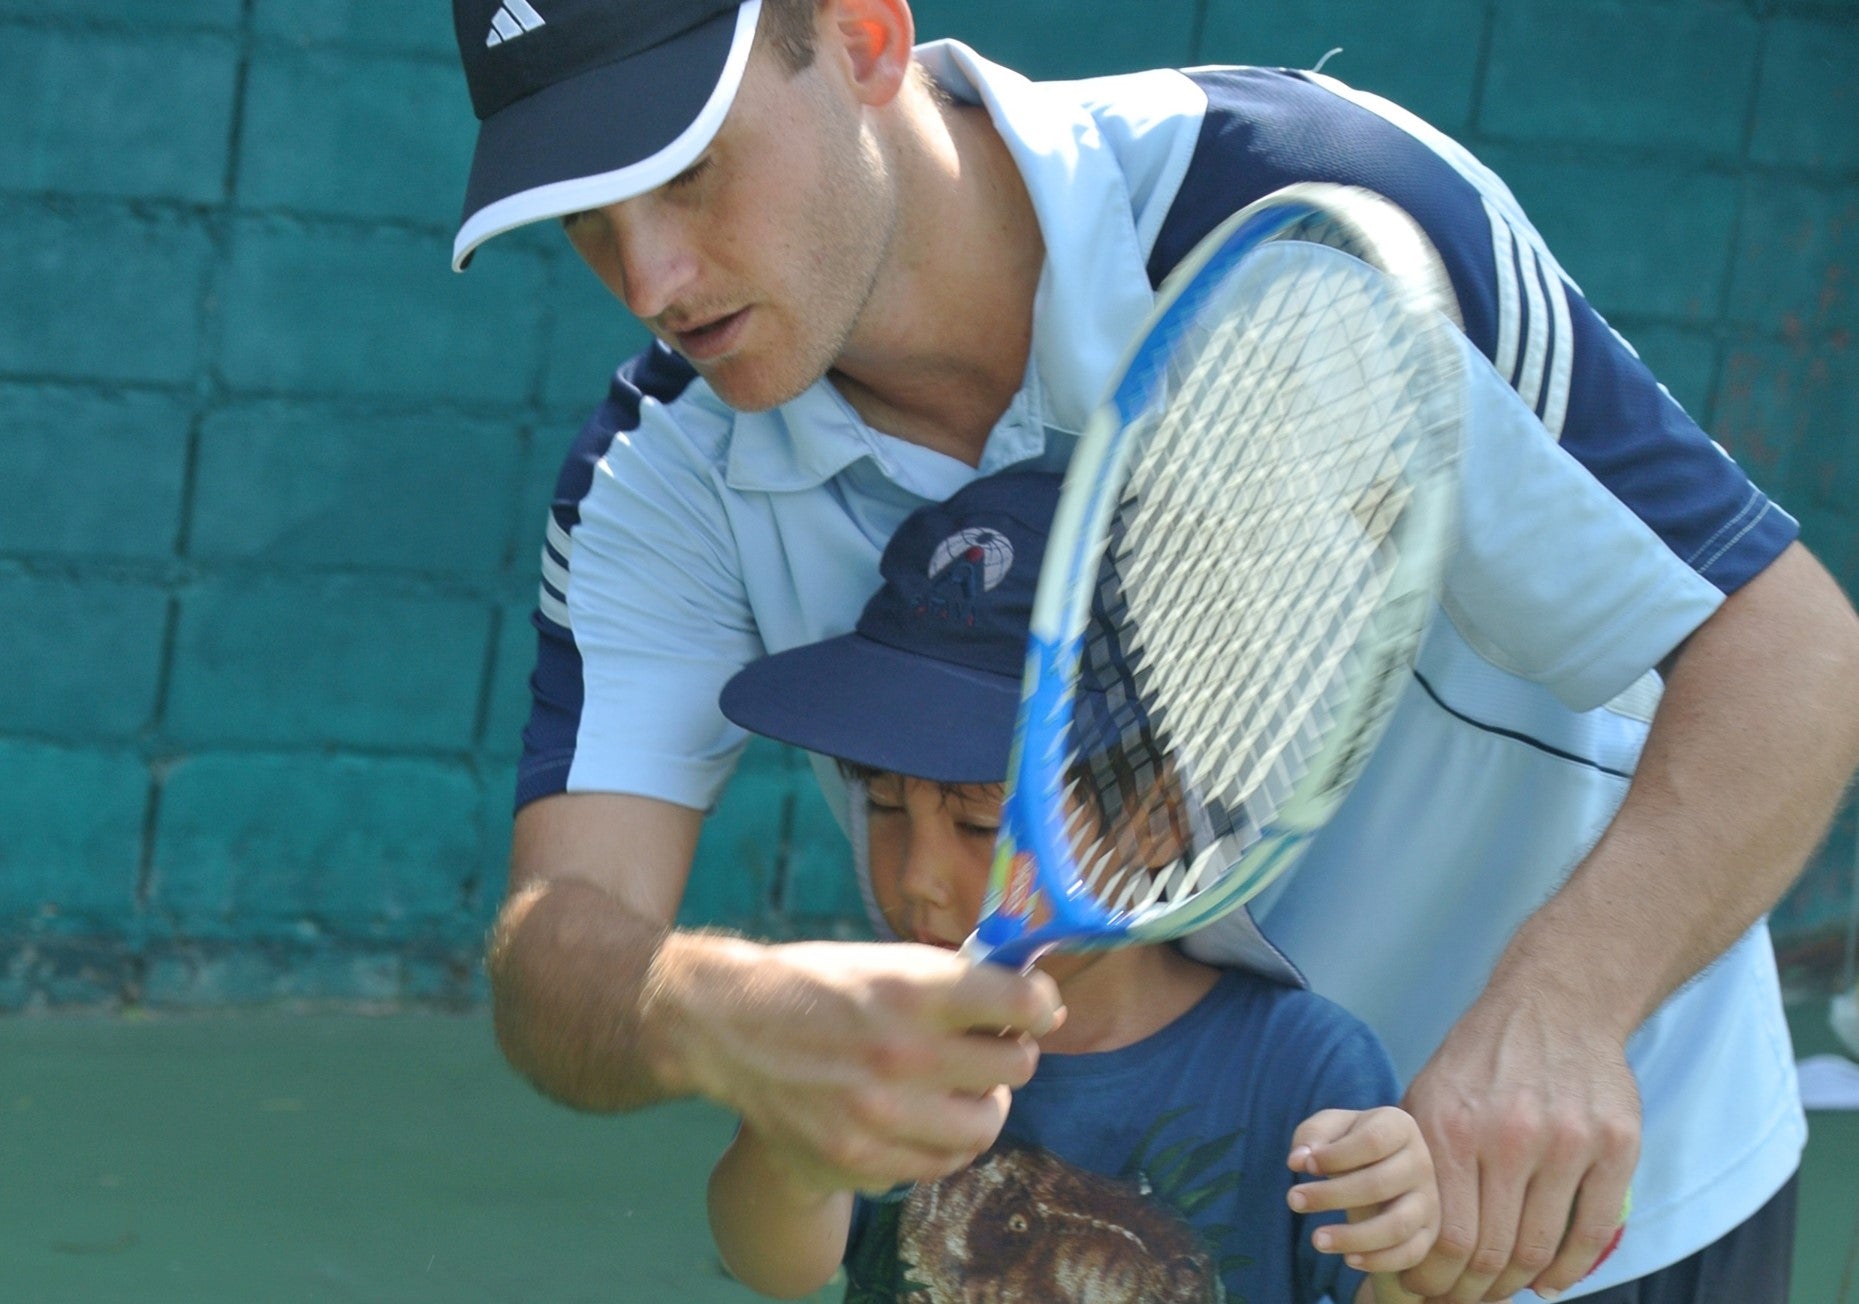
[(748, 393)]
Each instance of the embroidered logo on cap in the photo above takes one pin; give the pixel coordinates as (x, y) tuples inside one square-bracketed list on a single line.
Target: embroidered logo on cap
[(977, 546), (512, 19), (964, 566)]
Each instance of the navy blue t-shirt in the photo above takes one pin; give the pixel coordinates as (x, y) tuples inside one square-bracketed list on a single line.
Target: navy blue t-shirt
[(1143, 1173)]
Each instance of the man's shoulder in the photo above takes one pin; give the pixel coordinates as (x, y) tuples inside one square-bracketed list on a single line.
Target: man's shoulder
[(657, 384), (656, 409)]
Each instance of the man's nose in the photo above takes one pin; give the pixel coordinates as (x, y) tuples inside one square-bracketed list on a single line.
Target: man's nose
[(655, 262)]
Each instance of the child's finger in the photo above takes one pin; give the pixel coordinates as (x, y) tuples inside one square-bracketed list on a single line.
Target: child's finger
[(1396, 1258), (1372, 1135), (1364, 1188), (1410, 1219), (1320, 1129)]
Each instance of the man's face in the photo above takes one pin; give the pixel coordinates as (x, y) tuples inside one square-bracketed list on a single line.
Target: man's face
[(757, 262)]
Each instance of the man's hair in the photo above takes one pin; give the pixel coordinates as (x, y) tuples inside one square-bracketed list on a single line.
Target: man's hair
[(787, 26)]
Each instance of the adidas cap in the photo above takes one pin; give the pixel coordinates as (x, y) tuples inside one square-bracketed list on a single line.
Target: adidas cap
[(582, 103)]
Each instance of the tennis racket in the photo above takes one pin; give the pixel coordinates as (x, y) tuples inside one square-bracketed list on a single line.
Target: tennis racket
[(1244, 557)]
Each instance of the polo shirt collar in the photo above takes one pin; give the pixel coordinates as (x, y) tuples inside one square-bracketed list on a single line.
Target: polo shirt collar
[(800, 445), (1092, 292), (1094, 288)]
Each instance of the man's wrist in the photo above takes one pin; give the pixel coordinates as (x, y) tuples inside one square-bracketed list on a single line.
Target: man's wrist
[(682, 1014), (1570, 977)]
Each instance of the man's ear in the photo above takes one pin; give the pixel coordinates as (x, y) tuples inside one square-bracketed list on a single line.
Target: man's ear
[(875, 38)]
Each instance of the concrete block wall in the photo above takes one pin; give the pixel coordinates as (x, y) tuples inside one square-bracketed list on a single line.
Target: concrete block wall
[(271, 477)]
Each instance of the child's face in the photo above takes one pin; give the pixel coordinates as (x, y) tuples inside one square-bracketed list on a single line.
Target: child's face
[(931, 846)]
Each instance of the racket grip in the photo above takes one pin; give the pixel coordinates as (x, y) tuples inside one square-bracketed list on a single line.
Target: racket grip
[(976, 951), (1017, 953)]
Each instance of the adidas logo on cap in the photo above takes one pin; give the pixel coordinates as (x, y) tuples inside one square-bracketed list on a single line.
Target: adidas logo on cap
[(512, 19)]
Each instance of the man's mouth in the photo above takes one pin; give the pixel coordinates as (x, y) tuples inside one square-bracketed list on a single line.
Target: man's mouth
[(711, 339)]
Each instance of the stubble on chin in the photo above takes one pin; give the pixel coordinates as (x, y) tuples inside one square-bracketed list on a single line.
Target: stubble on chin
[(751, 383), (754, 393)]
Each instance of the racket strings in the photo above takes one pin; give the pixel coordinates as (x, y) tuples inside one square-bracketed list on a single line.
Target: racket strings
[(1220, 615), (1213, 659)]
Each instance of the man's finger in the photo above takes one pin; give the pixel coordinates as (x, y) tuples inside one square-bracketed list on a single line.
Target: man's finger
[(945, 1123), (974, 1062), (1500, 1204), (993, 998), (1601, 1209), (879, 1140), (1544, 1220)]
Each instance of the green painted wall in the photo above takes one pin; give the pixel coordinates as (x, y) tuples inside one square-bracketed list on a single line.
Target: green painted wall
[(271, 477)]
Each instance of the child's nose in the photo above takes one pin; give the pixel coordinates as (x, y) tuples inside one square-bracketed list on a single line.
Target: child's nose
[(927, 867)]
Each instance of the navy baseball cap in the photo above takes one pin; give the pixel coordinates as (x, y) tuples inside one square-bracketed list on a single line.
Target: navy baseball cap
[(928, 683), (583, 103)]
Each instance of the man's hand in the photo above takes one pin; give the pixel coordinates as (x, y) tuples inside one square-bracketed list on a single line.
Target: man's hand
[(1534, 1129), (867, 1065)]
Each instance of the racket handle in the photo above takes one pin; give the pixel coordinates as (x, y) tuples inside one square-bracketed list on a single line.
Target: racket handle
[(976, 951), (1018, 952)]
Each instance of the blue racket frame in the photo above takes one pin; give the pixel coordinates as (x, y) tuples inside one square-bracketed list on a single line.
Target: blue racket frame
[(1033, 848)]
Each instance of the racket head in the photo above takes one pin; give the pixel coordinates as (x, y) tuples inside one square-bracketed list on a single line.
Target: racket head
[(1243, 560)]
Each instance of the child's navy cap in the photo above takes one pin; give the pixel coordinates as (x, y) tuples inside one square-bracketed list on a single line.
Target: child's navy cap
[(928, 685)]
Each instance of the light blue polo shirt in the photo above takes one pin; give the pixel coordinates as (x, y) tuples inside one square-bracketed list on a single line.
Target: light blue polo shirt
[(1599, 527)]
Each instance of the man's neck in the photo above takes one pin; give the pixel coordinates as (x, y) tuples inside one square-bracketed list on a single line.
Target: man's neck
[(941, 348)]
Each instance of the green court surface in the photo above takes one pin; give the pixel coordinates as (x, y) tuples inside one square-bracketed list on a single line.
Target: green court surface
[(283, 1158)]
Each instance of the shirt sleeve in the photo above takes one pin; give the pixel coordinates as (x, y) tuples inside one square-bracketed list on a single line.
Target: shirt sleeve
[(642, 614), (1599, 525)]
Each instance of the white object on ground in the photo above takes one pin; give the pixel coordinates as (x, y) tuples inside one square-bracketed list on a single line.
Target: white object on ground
[(1845, 1020), (1828, 1082)]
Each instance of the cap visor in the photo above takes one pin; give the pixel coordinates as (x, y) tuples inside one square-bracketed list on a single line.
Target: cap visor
[(607, 134), (858, 700)]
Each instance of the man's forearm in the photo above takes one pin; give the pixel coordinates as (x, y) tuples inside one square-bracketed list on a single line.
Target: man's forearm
[(1529, 1105), (1751, 749), (578, 996)]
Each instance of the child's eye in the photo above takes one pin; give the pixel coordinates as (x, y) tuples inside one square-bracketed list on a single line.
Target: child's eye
[(689, 175), (975, 830)]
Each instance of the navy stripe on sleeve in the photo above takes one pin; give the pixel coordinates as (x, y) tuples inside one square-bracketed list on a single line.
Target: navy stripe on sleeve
[(556, 686), (1635, 439), (1267, 128)]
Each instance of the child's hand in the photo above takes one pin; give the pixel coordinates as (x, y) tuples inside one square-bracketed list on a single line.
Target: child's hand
[(1375, 1164)]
